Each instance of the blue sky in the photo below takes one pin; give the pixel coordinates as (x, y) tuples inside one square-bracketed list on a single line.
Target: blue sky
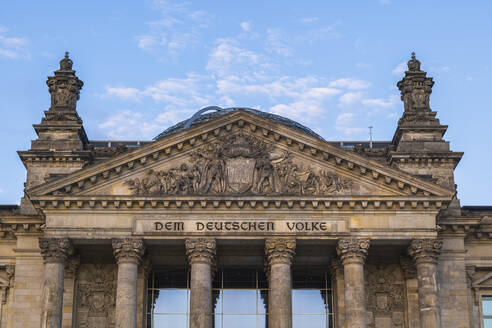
[(331, 65)]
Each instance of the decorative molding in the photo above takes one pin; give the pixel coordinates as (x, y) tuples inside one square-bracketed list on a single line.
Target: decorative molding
[(55, 250), (280, 250), (425, 250), (350, 249), (128, 250)]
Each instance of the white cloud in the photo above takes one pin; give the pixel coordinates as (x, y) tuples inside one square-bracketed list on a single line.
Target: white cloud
[(246, 26), (123, 93), (380, 102), (228, 57), (400, 69), (303, 111), (309, 20), (352, 84), (13, 46), (276, 42), (129, 125), (178, 29), (350, 98), (345, 123)]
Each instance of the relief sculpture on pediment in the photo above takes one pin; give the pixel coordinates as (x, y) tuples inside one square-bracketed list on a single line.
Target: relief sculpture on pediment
[(239, 164)]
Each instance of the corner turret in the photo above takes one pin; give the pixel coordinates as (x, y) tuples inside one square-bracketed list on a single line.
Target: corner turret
[(62, 146), (418, 146)]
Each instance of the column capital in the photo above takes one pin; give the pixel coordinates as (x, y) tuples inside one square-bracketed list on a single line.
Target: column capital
[(201, 250), (55, 250), (353, 249), (425, 250), (280, 250), (128, 250)]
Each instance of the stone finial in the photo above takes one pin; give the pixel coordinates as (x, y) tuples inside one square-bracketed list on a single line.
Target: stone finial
[(66, 63), (425, 250), (201, 250), (415, 88), (55, 250), (128, 249), (280, 250), (413, 64), (350, 249), (64, 87)]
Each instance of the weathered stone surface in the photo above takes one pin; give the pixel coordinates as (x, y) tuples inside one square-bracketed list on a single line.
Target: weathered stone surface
[(55, 252), (201, 256), (279, 255), (425, 253), (353, 253), (128, 253)]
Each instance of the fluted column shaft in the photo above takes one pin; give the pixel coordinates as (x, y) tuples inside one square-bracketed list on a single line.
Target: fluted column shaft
[(279, 255), (55, 252), (425, 253), (128, 253), (201, 256), (353, 252)]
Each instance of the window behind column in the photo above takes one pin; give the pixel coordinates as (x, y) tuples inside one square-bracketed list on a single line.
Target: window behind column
[(311, 300), (240, 296), (487, 311), (169, 299)]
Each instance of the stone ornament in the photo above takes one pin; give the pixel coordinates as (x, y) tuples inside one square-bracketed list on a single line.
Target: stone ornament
[(64, 87), (96, 295), (280, 250), (128, 249), (353, 249), (201, 250), (55, 250), (239, 164), (415, 88), (385, 294), (425, 250)]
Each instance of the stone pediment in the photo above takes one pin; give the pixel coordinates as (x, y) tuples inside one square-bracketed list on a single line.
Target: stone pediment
[(241, 156)]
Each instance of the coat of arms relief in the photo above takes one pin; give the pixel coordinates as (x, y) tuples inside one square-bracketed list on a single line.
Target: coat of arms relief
[(240, 164)]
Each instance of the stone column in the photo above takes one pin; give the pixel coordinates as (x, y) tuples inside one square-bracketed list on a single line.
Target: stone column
[(128, 253), (55, 253), (337, 283), (425, 253), (353, 252), (279, 254), (201, 256)]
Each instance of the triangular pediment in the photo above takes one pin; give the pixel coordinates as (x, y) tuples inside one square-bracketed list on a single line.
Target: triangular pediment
[(241, 155)]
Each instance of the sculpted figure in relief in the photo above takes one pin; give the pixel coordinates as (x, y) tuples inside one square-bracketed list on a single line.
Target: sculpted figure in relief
[(239, 164)]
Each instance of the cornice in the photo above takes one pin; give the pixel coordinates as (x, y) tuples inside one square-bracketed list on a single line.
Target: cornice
[(410, 203)]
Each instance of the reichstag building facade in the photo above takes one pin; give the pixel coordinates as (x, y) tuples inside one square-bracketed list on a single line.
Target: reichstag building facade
[(238, 218)]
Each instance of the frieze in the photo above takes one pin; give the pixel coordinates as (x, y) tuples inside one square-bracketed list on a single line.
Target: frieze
[(239, 164)]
